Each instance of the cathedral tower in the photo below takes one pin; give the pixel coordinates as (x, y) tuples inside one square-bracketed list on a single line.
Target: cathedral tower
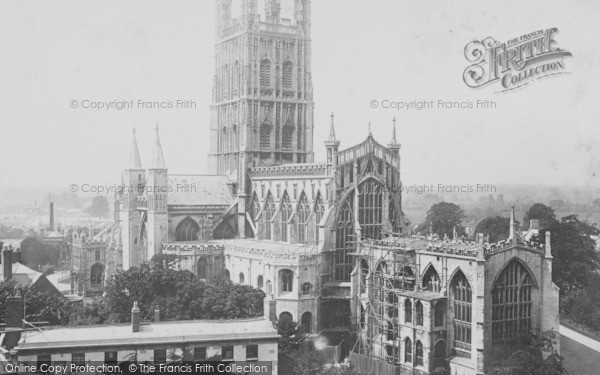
[(157, 193), (262, 111)]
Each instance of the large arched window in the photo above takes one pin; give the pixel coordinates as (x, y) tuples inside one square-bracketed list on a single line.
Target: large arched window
[(254, 208), (286, 137), (284, 215), (202, 268), (419, 313), (287, 75), (511, 302), (419, 353), (407, 277), (343, 246), (303, 212), (306, 321), (259, 281), (407, 311), (269, 212), (431, 280), (370, 209), (97, 275), (461, 296), (286, 281), (319, 211), (265, 73), (407, 350), (265, 136), (187, 230)]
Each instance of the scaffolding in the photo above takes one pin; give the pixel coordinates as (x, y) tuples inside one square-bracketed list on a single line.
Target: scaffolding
[(385, 269)]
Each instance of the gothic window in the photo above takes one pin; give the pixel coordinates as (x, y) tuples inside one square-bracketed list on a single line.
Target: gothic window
[(306, 289), (97, 275), (287, 75), (187, 230), (306, 321), (419, 353), (393, 217), (405, 279), (265, 136), (407, 311), (225, 79), (511, 302), (319, 211), (259, 281), (265, 73), (419, 313), (285, 215), (439, 350), (236, 77), (269, 287), (439, 311), (242, 279), (431, 280), (269, 212), (344, 236), (254, 208), (407, 350), (202, 268), (285, 317), (461, 297), (303, 212), (286, 281), (286, 141), (227, 275), (370, 209)]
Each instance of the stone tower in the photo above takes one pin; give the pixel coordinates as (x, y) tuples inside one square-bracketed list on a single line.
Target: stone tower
[(262, 111), (134, 181), (157, 193)]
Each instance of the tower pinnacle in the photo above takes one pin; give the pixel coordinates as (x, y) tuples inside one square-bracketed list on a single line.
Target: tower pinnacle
[(158, 160), (332, 130), (394, 145), (135, 162)]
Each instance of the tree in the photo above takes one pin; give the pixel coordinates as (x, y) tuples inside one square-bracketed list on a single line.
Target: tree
[(536, 355), (498, 228), (442, 218), (39, 305), (575, 256), (99, 207), (541, 212)]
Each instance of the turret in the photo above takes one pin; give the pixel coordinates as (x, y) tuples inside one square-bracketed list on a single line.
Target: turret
[(394, 145), (332, 145), (514, 227)]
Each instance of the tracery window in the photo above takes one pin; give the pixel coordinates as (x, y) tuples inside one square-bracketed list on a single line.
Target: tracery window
[(370, 209), (269, 213), (511, 302), (286, 278), (407, 311), (303, 212), (265, 73), (461, 296), (419, 353), (265, 136), (287, 75), (431, 280), (407, 350), (286, 140), (419, 313), (286, 213), (344, 235), (319, 211), (187, 230), (97, 275)]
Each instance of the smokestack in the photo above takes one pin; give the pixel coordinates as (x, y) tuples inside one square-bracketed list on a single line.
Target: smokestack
[(135, 317), (157, 314), (7, 263), (51, 216)]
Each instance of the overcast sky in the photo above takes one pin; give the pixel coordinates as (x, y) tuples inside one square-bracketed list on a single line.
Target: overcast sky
[(59, 51)]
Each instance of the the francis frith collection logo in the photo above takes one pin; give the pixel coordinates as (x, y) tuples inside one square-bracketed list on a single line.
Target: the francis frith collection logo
[(514, 63)]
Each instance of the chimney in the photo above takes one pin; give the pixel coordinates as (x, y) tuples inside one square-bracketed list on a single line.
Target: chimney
[(51, 216), (157, 314), (7, 264), (135, 317), (14, 311), (548, 246)]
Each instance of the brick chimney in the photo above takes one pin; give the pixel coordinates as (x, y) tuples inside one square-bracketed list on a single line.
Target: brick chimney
[(135, 317), (7, 263), (14, 320)]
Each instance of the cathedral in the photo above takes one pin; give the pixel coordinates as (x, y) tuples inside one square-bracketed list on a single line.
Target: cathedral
[(327, 241)]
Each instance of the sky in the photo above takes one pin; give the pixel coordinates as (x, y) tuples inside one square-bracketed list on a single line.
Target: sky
[(54, 53)]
